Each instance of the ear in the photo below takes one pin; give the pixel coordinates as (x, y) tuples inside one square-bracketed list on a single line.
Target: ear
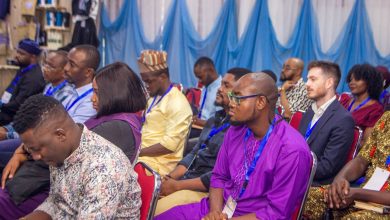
[(261, 102), (60, 134), (90, 73), (329, 82)]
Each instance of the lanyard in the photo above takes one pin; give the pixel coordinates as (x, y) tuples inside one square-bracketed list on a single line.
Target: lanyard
[(359, 106), (212, 133), (52, 90), (388, 163), (383, 94), (203, 101), (17, 78), (310, 129), (251, 168), (79, 98), (154, 99)]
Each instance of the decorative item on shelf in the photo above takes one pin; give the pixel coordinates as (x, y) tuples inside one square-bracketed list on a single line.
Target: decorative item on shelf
[(66, 19), (28, 7), (50, 19), (59, 19), (55, 40)]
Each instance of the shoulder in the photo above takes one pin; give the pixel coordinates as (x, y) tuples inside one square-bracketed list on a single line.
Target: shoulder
[(102, 151), (289, 139)]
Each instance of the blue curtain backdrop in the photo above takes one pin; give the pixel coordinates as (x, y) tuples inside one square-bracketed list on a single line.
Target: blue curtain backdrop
[(257, 49)]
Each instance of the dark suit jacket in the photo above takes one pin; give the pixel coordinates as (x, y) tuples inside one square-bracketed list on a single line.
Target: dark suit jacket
[(30, 83), (330, 140)]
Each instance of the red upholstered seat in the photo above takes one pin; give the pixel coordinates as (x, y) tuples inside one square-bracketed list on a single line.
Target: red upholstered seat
[(355, 146), (150, 183), (296, 119)]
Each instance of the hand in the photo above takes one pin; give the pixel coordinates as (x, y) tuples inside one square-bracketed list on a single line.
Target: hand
[(168, 186), (215, 215), (12, 166), (287, 85), (194, 119), (337, 193)]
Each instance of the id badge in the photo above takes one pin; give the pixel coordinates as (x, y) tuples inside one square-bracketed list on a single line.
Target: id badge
[(230, 207), (6, 97), (377, 180)]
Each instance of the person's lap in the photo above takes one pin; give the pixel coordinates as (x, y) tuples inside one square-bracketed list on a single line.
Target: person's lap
[(7, 148), (193, 211), (181, 197), (9, 210)]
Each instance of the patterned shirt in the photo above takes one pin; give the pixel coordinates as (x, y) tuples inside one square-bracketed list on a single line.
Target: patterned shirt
[(297, 97), (96, 181), (377, 148)]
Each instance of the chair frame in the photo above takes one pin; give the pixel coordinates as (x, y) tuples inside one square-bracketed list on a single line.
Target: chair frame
[(358, 143), (156, 190), (292, 116), (312, 173)]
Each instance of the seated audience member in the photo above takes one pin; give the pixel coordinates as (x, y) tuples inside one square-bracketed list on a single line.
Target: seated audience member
[(28, 80), (204, 70), (167, 116), (25, 182), (385, 96), (90, 177), (327, 126), (118, 94), (263, 166), (57, 87), (293, 94), (190, 180), (83, 61), (340, 196), (365, 84)]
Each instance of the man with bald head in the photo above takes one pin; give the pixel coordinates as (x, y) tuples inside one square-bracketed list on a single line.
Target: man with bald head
[(263, 165), (293, 94)]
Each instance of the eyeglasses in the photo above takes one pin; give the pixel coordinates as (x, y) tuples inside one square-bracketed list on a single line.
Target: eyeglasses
[(47, 67), (288, 68), (236, 99)]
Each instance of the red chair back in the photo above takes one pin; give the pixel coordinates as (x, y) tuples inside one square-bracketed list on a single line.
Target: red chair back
[(193, 96), (150, 184), (296, 119), (355, 146), (299, 211)]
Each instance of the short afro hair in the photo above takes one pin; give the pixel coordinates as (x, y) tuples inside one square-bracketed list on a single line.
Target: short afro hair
[(35, 110), (370, 75)]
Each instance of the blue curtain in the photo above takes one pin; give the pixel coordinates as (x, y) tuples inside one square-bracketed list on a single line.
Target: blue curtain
[(257, 49)]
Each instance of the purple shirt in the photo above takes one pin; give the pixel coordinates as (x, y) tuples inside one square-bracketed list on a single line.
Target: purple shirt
[(277, 185)]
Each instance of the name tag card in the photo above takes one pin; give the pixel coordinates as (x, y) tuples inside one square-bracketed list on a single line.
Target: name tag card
[(377, 180)]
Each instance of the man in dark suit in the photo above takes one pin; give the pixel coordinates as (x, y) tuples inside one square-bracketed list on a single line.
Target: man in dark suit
[(327, 127), (28, 80)]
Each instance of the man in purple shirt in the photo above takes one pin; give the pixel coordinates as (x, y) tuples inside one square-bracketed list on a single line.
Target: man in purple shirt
[(263, 165)]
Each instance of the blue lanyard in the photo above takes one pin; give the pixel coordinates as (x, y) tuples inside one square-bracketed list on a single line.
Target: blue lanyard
[(382, 96), (79, 98), (310, 129), (203, 101), (17, 78), (387, 162), (51, 91), (212, 133), (154, 99), (251, 168), (359, 106)]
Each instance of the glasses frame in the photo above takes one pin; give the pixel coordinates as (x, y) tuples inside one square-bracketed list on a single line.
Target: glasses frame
[(237, 99)]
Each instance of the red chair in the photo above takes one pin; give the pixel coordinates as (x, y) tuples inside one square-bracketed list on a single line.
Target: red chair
[(150, 183), (344, 95), (296, 119), (298, 212), (355, 146)]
